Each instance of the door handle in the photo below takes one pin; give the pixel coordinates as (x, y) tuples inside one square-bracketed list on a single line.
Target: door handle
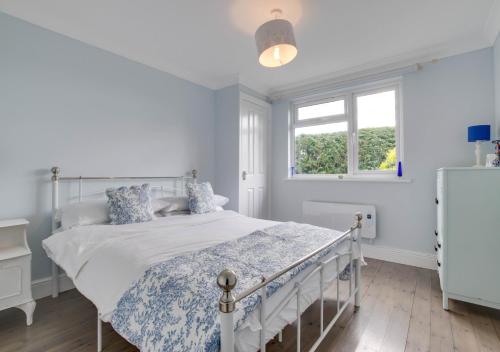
[(244, 175)]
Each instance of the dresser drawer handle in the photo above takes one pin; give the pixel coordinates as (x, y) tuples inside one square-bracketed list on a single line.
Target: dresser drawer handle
[(439, 264), (435, 233), (436, 200), (435, 248), (439, 245)]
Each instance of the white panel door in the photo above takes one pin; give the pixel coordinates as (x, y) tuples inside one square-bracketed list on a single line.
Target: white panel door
[(254, 144)]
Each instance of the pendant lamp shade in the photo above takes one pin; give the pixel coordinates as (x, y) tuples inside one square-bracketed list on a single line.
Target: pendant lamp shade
[(275, 43)]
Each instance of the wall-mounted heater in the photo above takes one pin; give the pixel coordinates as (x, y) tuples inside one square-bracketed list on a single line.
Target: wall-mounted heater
[(340, 216)]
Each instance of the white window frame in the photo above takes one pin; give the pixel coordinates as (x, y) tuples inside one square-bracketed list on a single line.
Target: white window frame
[(349, 96)]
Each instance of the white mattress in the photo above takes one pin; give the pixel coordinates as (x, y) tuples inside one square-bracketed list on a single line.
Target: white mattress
[(104, 260)]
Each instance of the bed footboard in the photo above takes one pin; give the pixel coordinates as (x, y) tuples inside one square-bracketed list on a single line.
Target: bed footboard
[(227, 281)]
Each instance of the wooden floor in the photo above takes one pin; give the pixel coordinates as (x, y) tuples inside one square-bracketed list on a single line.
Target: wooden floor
[(400, 311)]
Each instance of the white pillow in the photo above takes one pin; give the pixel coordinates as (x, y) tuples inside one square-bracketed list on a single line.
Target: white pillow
[(84, 213), (166, 205), (220, 201), (158, 204)]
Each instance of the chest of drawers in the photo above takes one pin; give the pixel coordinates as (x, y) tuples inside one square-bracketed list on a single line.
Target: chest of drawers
[(467, 236)]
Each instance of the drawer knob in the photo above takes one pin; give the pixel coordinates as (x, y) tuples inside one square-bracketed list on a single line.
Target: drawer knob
[(439, 264), (435, 248), (435, 232), (439, 245), (436, 200)]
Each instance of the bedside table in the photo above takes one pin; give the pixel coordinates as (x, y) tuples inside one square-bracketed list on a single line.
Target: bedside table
[(15, 268)]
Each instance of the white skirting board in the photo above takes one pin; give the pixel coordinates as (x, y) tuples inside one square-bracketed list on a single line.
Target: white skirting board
[(43, 287), (400, 256)]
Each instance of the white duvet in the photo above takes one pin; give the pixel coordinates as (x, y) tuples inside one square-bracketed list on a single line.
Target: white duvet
[(104, 260)]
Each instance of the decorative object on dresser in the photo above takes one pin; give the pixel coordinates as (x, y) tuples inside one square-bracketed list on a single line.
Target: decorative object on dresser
[(468, 234), (490, 158), (477, 134), (496, 161), (15, 268)]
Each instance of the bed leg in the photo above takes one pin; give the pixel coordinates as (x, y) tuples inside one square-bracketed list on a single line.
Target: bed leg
[(357, 283), (99, 332), (227, 281), (55, 280)]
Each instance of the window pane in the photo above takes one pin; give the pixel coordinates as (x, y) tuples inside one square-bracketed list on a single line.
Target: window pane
[(376, 117), (321, 149), (321, 110)]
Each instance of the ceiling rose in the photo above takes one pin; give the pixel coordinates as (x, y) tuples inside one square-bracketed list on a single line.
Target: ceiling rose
[(275, 42)]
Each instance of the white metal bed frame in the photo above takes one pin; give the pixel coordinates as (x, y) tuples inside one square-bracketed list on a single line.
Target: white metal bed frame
[(227, 279)]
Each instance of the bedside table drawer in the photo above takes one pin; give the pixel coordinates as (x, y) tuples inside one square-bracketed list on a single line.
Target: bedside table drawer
[(15, 285), (10, 277)]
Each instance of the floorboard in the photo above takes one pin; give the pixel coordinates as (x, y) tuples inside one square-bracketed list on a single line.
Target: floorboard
[(419, 330), (400, 311)]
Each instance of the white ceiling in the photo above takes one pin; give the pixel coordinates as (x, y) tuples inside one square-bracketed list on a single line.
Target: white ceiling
[(211, 42)]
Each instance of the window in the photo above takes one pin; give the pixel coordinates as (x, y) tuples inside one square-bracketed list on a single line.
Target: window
[(354, 132)]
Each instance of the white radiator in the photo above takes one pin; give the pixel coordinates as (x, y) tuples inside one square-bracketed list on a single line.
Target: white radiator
[(340, 216)]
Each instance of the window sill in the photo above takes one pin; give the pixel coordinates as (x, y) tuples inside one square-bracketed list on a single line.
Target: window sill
[(344, 178)]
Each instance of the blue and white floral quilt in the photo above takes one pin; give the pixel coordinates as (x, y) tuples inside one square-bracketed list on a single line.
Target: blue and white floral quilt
[(174, 305)]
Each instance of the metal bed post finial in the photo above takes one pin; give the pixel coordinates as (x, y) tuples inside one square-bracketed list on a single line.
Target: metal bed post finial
[(359, 217), (357, 225), (55, 173), (227, 282)]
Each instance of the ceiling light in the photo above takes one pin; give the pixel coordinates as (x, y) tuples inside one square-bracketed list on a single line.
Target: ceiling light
[(275, 42)]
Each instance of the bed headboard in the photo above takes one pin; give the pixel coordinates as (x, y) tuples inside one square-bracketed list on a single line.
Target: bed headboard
[(171, 185)]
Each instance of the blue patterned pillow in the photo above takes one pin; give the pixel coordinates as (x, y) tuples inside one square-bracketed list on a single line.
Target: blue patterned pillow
[(129, 205), (201, 198)]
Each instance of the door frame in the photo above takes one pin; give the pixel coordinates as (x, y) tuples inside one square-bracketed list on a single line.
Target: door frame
[(244, 97)]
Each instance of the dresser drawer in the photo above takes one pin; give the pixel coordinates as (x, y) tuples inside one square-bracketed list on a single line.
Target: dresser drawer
[(438, 237), (438, 248)]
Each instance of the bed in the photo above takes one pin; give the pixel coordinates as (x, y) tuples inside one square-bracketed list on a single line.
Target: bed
[(216, 281)]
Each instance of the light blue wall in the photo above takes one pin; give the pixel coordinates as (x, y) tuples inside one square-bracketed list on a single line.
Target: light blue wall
[(496, 58), (439, 103), (227, 115), (90, 112)]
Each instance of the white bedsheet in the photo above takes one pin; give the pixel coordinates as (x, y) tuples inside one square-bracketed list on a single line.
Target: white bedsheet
[(104, 260)]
